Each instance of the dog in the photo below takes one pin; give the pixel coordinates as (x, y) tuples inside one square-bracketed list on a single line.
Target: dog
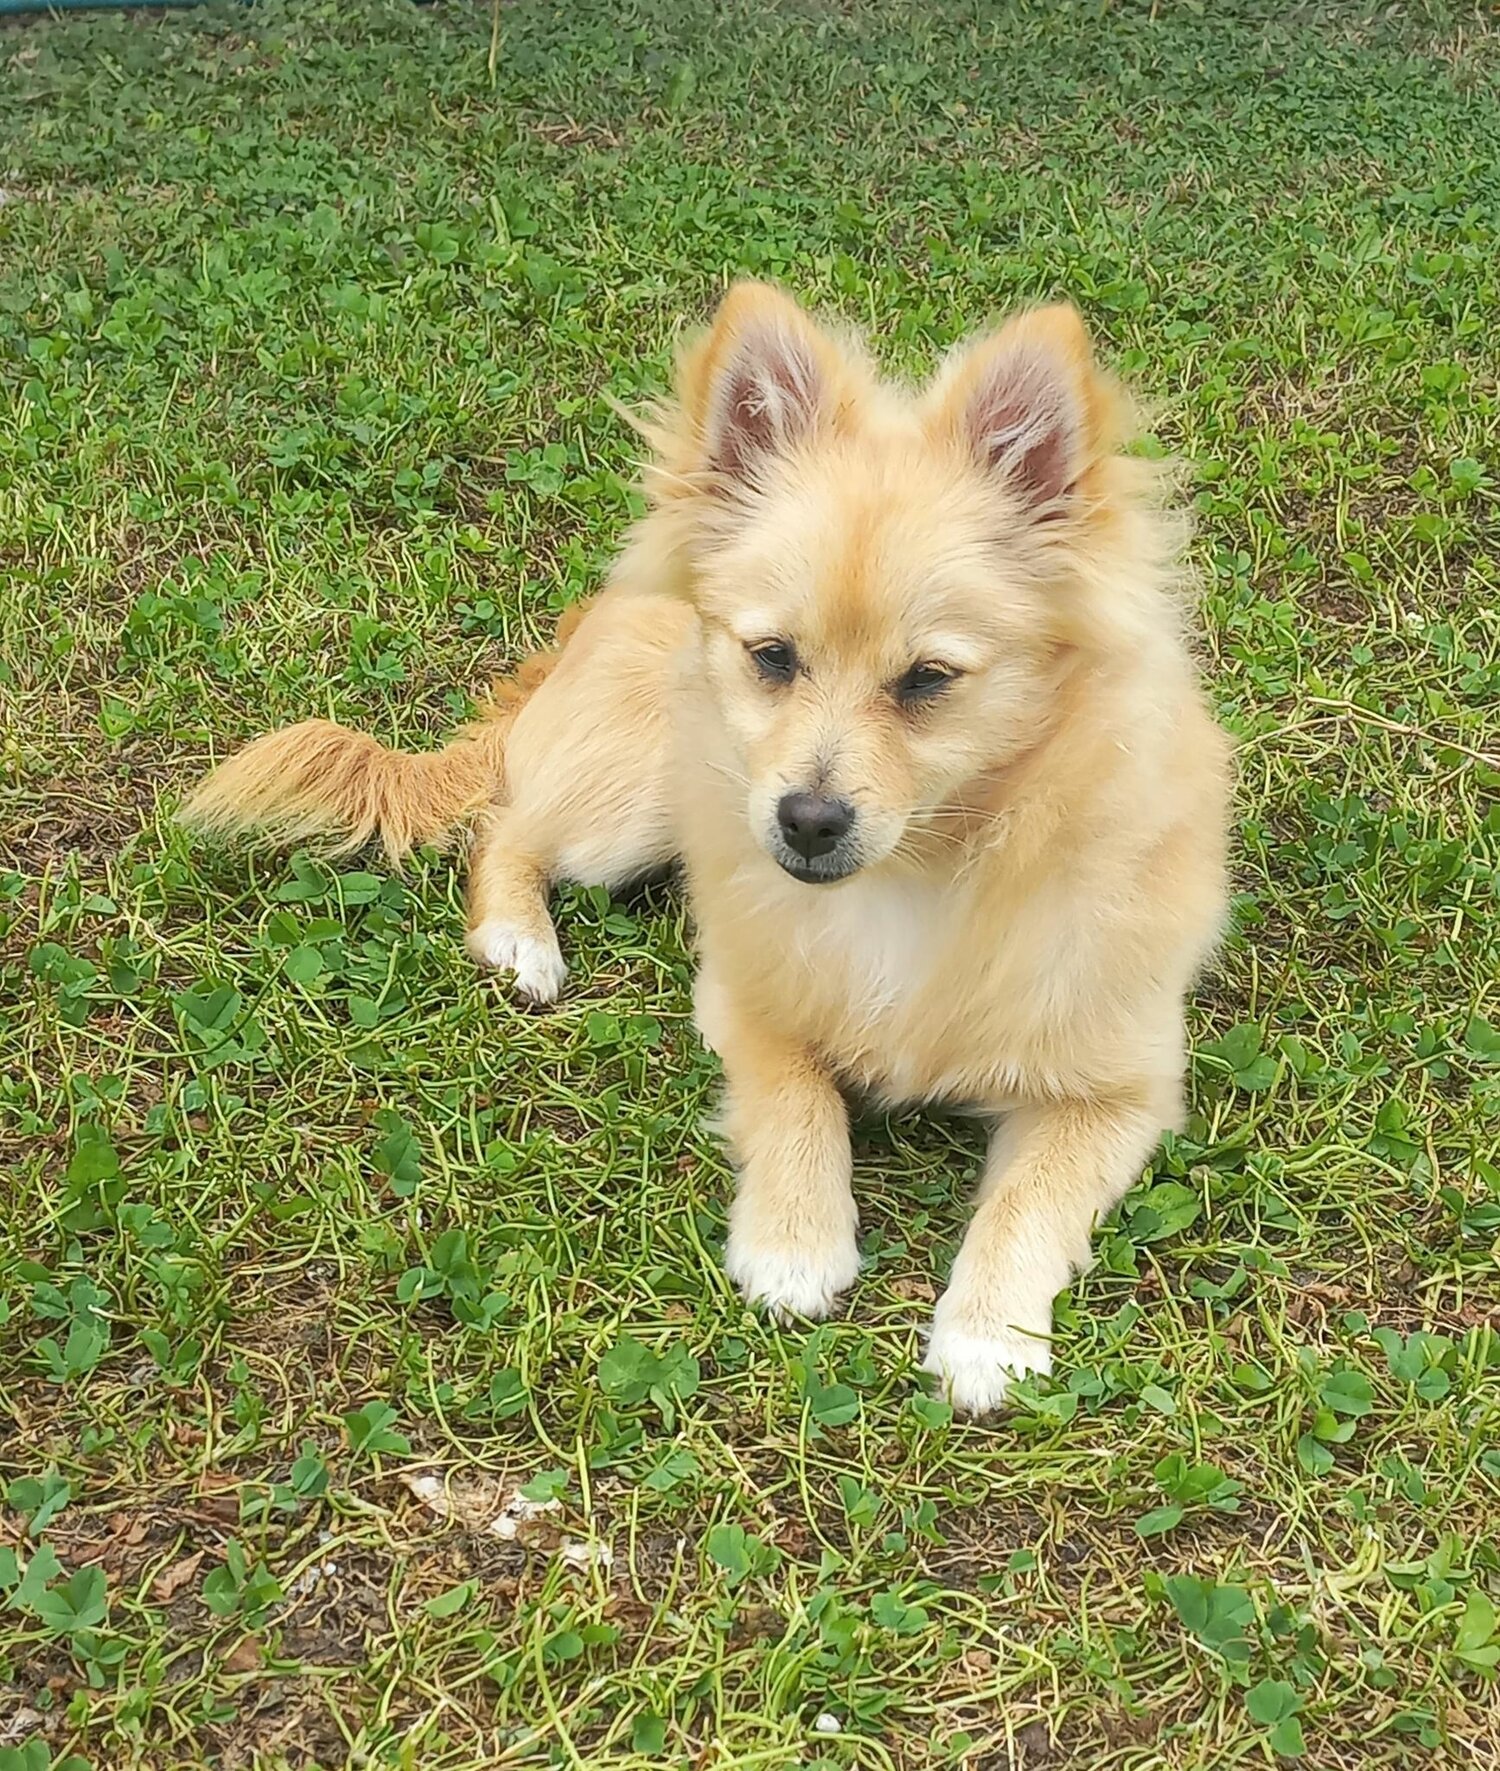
[(905, 682)]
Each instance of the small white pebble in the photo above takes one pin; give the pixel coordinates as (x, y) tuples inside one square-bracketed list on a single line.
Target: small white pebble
[(828, 1724)]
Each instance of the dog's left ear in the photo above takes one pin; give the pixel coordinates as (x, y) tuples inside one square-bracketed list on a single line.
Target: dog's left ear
[(1029, 405)]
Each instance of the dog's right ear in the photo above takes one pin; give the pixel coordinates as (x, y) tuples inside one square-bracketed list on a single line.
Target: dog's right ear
[(763, 381)]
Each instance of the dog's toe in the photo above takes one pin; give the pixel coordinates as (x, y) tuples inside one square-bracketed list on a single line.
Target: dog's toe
[(975, 1371), (536, 962), (793, 1280)]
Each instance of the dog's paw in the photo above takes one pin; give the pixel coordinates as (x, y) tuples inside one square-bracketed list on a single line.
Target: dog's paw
[(974, 1370), (792, 1278), (536, 963)]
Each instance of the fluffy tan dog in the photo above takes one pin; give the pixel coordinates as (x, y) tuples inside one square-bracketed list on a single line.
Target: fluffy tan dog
[(903, 679)]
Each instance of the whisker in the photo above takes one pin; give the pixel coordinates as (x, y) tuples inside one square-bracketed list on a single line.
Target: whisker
[(931, 833)]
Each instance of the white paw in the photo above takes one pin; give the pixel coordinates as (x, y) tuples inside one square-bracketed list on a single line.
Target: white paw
[(974, 1371), (537, 963), (792, 1278)]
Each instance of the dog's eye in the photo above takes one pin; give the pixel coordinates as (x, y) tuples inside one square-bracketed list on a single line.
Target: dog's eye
[(923, 681), (775, 660)]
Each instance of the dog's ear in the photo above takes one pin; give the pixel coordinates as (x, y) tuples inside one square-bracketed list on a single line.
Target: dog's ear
[(763, 380), (1028, 404)]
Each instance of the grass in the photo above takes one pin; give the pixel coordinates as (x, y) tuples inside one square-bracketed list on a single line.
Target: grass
[(315, 1249)]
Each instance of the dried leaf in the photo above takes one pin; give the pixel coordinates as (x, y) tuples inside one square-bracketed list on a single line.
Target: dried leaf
[(482, 1504), (20, 1725), (526, 1521), (219, 1509), (587, 1555), (244, 1657), (431, 1490), (175, 1577)]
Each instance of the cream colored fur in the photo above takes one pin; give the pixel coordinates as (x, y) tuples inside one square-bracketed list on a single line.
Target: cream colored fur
[(1038, 848)]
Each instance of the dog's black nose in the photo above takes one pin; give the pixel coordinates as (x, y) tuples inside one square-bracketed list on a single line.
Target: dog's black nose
[(812, 825)]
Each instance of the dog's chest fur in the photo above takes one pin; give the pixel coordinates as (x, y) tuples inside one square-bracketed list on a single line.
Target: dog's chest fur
[(886, 990), (875, 942)]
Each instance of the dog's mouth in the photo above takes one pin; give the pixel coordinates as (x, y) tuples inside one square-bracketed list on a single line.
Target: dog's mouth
[(819, 872)]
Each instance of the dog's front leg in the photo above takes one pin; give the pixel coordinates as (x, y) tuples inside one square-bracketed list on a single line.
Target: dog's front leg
[(1053, 1170), (791, 1227)]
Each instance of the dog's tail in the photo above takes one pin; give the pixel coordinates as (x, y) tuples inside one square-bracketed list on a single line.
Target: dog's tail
[(321, 782)]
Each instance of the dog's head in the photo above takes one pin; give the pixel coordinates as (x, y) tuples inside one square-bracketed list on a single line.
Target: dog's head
[(886, 581)]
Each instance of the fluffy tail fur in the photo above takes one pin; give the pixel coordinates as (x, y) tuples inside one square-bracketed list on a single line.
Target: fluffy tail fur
[(318, 781), (321, 782)]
